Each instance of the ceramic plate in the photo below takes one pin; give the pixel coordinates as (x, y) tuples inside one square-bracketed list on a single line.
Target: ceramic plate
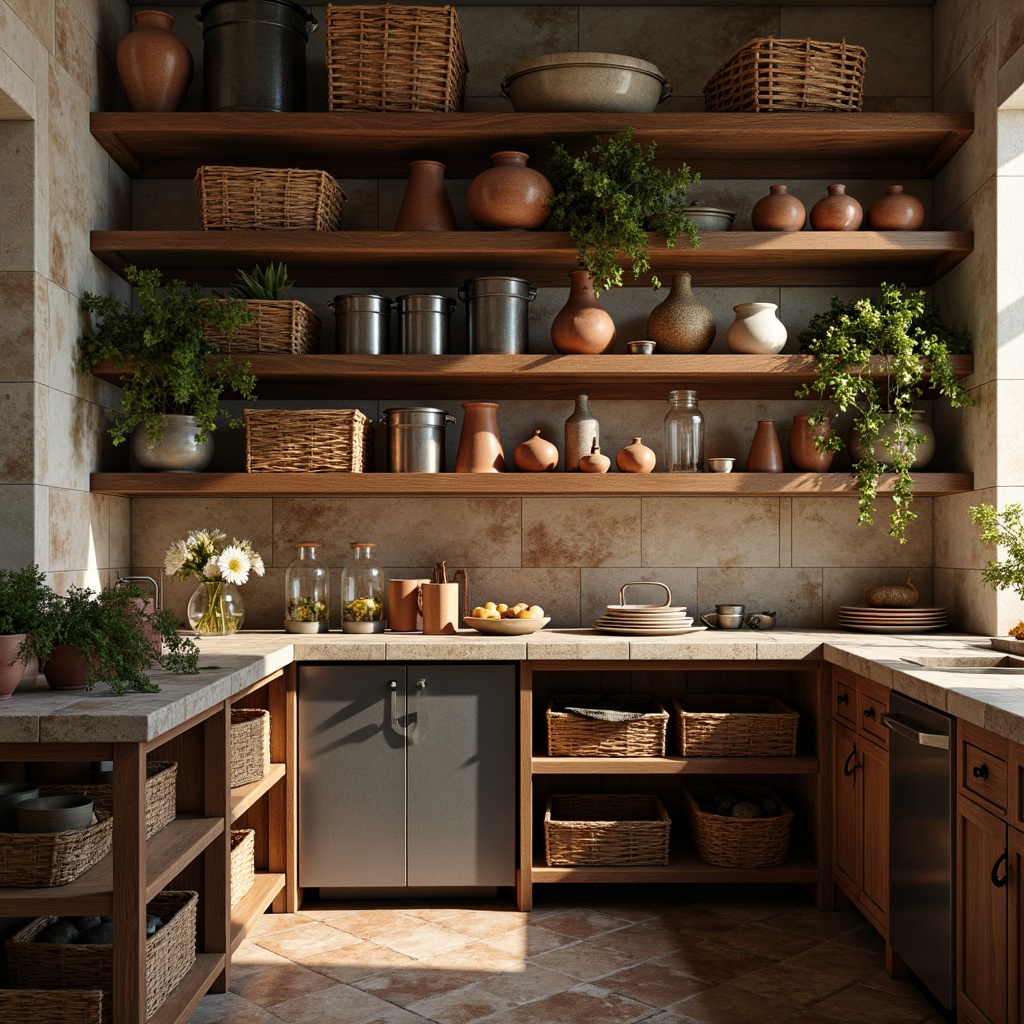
[(645, 608), (506, 627), (855, 609), (864, 628), (641, 631)]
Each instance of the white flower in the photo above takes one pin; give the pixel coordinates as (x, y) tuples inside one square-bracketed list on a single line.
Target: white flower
[(174, 560), (257, 564), (234, 564), (212, 569)]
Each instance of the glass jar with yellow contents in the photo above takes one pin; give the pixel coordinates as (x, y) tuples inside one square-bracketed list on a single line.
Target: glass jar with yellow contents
[(306, 592), (362, 591)]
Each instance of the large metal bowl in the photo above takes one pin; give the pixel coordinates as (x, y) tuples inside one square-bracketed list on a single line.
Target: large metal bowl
[(609, 82)]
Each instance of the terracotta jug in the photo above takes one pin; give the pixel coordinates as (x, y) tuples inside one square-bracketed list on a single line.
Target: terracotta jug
[(480, 448), (581, 431), (896, 211), (581, 326), (425, 203), (594, 461), (756, 329), (837, 211), (778, 211), (765, 455), (509, 195), (155, 66), (681, 325), (804, 456), (535, 455), (636, 458)]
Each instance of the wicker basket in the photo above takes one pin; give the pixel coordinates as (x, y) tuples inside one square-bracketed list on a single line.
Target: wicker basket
[(250, 745), (390, 58), (170, 953), (606, 829), (717, 725), (42, 1006), (268, 198), (738, 842), (571, 735), (161, 794), (29, 860), (307, 441), (243, 862), (280, 327), (789, 74)]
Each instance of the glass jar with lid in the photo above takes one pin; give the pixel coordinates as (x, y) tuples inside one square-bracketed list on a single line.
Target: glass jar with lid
[(306, 592), (362, 591), (684, 434)]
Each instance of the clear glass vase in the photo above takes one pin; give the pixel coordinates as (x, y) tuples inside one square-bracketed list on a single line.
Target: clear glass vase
[(216, 609), (362, 591), (306, 593)]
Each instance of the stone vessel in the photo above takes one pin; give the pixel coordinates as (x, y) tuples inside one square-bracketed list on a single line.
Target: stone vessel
[(778, 211), (509, 195), (837, 211), (681, 325)]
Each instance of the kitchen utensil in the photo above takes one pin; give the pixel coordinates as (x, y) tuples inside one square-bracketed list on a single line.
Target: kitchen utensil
[(415, 439), (498, 314), (506, 627), (362, 324), (403, 611), (716, 620), (710, 218), (761, 620), (424, 324), (61, 813), (729, 609), (438, 604)]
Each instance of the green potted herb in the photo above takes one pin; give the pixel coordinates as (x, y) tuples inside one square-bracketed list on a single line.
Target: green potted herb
[(24, 594), (608, 199), (1005, 529), (906, 330)]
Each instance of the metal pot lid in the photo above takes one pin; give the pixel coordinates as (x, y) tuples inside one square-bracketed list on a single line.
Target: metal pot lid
[(619, 61), (711, 209), (419, 409)]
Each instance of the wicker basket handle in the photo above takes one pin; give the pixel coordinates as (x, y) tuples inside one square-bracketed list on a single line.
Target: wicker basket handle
[(645, 583)]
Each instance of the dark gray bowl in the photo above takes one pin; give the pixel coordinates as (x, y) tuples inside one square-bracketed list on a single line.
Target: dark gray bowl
[(62, 813)]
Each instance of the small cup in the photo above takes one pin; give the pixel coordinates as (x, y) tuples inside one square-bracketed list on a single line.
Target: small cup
[(729, 609), (12, 794), (761, 620), (721, 465), (439, 605), (641, 348), (61, 813), (403, 605)]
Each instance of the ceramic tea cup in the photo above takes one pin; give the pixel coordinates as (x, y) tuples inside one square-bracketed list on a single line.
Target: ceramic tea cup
[(717, 620), (723, 465), (761, 620), (403, 605)]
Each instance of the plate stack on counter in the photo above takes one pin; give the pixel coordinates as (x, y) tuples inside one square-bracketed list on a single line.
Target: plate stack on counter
[(646, 619), (891, 620)]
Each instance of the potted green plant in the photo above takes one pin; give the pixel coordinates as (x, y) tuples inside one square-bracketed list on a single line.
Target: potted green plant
[(906, 330), (1005, 529), (174, 371), (23, 596), (608, 199)]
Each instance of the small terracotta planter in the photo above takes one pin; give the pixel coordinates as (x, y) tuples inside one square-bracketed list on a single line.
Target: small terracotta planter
[(66, 669), (10, 674)]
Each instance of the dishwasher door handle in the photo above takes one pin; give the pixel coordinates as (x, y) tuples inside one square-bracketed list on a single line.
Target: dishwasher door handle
[(892, 722)]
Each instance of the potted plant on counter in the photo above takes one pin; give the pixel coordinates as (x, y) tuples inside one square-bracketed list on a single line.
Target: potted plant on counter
[(1005, 529), (23, 596)]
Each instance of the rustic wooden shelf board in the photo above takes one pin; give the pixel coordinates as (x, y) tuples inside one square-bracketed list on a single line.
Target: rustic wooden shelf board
[(186, 994), (243, 797), (684, 866), (253, 905), (175, 846), (674, 765)]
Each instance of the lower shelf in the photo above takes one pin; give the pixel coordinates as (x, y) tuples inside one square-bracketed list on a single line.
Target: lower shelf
[(674, 765), (254, 904), (243, 797), (186, 995)]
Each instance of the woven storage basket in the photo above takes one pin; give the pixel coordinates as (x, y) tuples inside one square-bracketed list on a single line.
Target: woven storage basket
[(571, 735), (391, 58), (789, 74), (717, 725), (280, 327), (243, 869), (170, 953), (161, 794), (738, 842), (53, 858), (250, 745), (606, 829), (268, 198), (307, 441), (41, 1006)]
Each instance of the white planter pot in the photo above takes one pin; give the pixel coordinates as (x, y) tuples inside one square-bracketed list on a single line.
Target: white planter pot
[(756, 329), (922, 454)]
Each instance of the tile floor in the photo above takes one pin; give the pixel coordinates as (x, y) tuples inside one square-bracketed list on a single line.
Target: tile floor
[(584, 956)]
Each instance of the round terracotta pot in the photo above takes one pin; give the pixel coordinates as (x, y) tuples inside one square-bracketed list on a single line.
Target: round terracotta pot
[(509, 195), (595, 462), (636, 458), (837, 211), (765, 455), (778, 211), (155, 66), (65, 669), (12, 669), (535, 455), (425, 202), (480, 448), (581, 326), (681, 325), (896, 211), (802, 452)]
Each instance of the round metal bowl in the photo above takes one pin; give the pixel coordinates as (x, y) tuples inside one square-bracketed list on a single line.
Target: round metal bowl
[(608, 82), (708, 218)]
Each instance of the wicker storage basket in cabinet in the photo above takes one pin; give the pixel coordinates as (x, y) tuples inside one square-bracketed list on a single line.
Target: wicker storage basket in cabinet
[(307, 441), (280, 327), (250, 745), (741, 725), (606, 829), (577, 735), (738, 842), (42, 859), (43, 1006), (243, 870)]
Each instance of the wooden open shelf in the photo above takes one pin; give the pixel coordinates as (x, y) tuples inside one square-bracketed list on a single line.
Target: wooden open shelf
[(186, 995), (800, 765), (243, 797), (251, 907)]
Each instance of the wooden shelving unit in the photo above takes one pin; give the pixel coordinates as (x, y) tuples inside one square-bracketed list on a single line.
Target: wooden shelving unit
[(544, 765), (253, 905)]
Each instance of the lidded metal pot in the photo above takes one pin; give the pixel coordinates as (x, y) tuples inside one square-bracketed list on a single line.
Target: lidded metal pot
[(424, 324), (362, 324), (497, 314), (416, 439)]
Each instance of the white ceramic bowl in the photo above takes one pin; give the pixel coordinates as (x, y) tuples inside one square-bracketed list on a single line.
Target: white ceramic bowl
[(721, 465), (506, 627)]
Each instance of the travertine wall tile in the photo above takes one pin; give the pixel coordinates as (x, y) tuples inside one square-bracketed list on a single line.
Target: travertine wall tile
[(19, 311), (600, 588), (556, 590), (17, 241), (74, 438), (794, 594), (79, 531), (38, 15), (1010, 302), (26, 517), (106, 21), (958, 26), (957, 545), (847, 586), (1010, 25), (18, 413), (972, 606), (581, 531)]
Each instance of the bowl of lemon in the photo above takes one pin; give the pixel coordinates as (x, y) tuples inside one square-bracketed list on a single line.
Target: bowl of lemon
[(507, 619)]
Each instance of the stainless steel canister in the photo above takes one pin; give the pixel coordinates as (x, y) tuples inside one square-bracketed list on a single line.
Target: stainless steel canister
[(362, 324), (424, 324), (416, 439), (497, 314)]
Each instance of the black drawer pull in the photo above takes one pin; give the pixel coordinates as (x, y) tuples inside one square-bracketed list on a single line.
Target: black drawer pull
[(996, 880), (870, 713), (843, 698), (847, 770), (980, 771)]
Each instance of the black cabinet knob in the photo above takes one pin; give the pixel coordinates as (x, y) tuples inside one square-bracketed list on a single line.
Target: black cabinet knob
[(980, 771), (869, 713), (843, 698)]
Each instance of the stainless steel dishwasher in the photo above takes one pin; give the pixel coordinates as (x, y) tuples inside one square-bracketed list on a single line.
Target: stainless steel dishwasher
[(922, 777)]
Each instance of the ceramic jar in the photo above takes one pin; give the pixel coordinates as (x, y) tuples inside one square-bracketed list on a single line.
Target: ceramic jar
[(509, 195), (480, 448), (425, 203), (918, 423), (594, 461), (362, 590), (837, 211), (582, 432), (636, 458), (177, 450), (778, 211), (765, 455), (896, 211), (803, 454), (581, 326), (12, 669), (155, 65), (535, 455), (681, 324), (756, 329)]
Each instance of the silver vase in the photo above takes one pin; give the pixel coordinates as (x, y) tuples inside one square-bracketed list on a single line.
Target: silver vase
[(177, 451)]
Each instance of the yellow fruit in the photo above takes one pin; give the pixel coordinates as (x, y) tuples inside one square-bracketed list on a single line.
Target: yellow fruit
[(479, 612), (491, 615), (490, 606), (536, 612), (502, 608)]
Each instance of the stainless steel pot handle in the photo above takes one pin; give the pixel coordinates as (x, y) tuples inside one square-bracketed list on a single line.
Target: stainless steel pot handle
[(666, 91), (924, 739)]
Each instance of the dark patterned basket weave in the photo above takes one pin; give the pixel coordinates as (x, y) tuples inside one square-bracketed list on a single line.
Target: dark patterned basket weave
[(307, 441), (268, 198), (789, 74), (738, 842), (280, 327), (606, 829), (243, 869), (390, 58), (719, 725), (170, 953), (571, 735), (29, 860), (40, 1006), (250, 745)]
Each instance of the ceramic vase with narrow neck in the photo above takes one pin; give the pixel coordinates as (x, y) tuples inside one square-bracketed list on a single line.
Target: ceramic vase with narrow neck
[(756, 329), (922, 453), (837, 211), (425, 202), (681, 325), (582, 433), (480, 448), (155, 66), (778, 211), (636, 458), (765, 455), (509, 195), (896, 211), (803, 453), (581, 326)]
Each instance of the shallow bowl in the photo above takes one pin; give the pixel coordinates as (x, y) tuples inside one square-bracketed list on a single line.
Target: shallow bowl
[(641, 348), (709, 218), (61, 813), (721, 465), (506, 627)]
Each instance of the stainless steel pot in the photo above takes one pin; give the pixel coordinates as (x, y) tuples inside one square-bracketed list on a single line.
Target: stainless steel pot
[(497, 314), (362, 324), (416, 439), (424, 323)]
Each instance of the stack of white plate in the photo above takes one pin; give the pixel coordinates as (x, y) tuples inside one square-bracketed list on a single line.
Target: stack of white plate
[(646, 620), (891, 620)]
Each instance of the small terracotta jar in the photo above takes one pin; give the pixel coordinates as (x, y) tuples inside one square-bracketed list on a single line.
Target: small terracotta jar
[(509, 195), (896, 211), (155, 66), (765, 455), (425, 202), (480, 448), (837, 211), (803, 454), (535, 455), (778, 211), (681, 325), (581, 326), (595, 462), (636, 458)]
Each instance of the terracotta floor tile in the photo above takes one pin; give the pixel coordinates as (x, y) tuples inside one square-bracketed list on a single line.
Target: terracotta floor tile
[(768, 941), (266, 986), (654, 984), (713, 962), (423, 940), (251, 956), (585, 1004), (812, 1016), (849, 965), (408, 985), (527, 983), (479, 957), (306, 939), (367, 924), (698, 923), (338, 1003), (862, 1003), (727, 1004), (821, 925), (481, 924), (785, 983), (582, 924), (586, 961), (350, 963), (529, 941), (230, 1008), (865, 937), (648, 940), (747, 903), (461, 1006)]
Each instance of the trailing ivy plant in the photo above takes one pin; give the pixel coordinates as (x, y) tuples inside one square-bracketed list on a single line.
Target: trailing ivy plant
[(906, 329), (608, 198)]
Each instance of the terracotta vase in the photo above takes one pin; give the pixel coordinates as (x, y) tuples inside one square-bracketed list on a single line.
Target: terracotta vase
[(778, 211), (896, 211), (594, 461), (765, 455), (425, 203), (509, 195), (681, 325), (480, 448), (804, 456), (65, 669), (923, 453), (636, 458), (10, 674), (581, 326), (837, 211), (536, 455), (155, 66), (582, 432), (756, 329)]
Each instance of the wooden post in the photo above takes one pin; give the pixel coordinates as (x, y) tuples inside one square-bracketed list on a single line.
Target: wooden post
[(129, 897), (524, 876), (216, 893)]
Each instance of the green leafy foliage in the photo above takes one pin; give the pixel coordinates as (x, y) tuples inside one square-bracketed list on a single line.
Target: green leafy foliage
[(1006, 529), (269, 283), (907, 330), (166, 349), (23, 596), (607, 199)]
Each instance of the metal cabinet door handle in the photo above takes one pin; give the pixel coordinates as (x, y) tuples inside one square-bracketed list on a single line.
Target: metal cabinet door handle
[(891, 720), (843, 698), (980, 771), (847, 770), (996, 880), (395, 724), (870, 713)]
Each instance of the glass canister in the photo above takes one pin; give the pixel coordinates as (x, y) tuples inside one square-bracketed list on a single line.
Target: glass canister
[(362, 591), (684, 434), (306, 592)]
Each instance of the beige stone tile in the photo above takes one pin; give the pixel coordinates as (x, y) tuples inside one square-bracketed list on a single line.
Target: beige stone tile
[(422, 941), (590, 532), (407, 986), (106, 21), (342, 1002), (863, 1003), (78, 530), (712, 961), (529, 942), (20, 311), (727, 1002), (794, 594), (461, 1006), (654, 984), (957, 541), (19, 412), (648, 939), (74, 441), (781, 983), (277, 984), (305, 938), (584, 1004), (556, 590), (350, 963), (26, 519), (847, 586), (958, 26), (75, 49), (583, 644), (230, 1008), (764, 939), (972, 605), (38, 16)]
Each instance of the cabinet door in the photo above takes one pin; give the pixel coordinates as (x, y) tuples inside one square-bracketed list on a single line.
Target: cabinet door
[(1015, 924), (846, 811), (351, 775), (462, 765), (874, 879)]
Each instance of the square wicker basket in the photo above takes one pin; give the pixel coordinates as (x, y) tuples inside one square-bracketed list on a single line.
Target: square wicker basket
[(280, 327), (307, 441), (573, 735), (243, 860), (391, 58), (741, 725), (606, 829), (38, 859), (250, 745), (789, 74), (43, 1006), (738, 842)]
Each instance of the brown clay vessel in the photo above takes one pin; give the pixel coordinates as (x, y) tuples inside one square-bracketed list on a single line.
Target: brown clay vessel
[(509, 195), (802, 452), (535, 455), (765, 455), (65, 669), (154, 64), (425, 202), (837, 211), (896, 211), (11, 669), (636, 458), (581, 326), (681, 325), (480, 448), (595, 462), (778, 211)]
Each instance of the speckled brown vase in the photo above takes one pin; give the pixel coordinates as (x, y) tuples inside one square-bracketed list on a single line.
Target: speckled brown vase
[(778, 211), (509, 195), (636, 458), (765, 455), (595, 462), (581, 326), (896, 211), (681, 325), (837, 211), (535, 455), (802, 453), (425, 203), (155, 65), (480, 448)]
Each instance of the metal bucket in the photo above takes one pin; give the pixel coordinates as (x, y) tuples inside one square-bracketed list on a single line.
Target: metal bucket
[(424, 323), (416, 439), (497, 314), (361, 324), (254, 54)]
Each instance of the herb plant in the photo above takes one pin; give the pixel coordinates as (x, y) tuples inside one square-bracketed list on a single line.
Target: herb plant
[(271, 282), (906, 329), (1006, 529), (23, 596)]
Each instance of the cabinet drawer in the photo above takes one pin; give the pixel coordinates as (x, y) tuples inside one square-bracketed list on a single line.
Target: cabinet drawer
[(844, 698), (982, 768), (872, 703)]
